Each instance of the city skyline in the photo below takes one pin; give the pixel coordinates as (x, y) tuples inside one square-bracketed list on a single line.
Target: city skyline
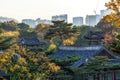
[(32, 9)]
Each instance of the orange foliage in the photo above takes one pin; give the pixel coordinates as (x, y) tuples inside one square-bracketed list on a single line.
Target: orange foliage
[(108, 38)]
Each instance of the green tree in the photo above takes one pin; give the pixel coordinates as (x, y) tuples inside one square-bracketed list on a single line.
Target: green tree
[(68, 61), (41, 29), (95, 64), (5, 42), (9, 26), (115, 45), (23, 26), (27, 33), (60, 30), (1, 30), (83, 30)]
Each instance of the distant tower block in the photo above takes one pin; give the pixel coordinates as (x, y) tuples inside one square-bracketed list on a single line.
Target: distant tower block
[(77, 21)]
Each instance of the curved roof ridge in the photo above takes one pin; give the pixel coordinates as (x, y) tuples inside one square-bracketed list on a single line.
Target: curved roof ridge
[(80, 48)]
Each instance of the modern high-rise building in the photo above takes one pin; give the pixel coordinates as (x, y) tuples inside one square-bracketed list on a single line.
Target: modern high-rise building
[(30, 22), (105, 12), (6, 19), (77, 21), (63, 17), (92, 20)]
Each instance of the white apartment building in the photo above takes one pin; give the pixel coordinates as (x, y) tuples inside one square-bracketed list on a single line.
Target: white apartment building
[(77, 21)]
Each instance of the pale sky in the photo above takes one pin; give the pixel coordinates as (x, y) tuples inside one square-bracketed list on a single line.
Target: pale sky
[(44, 9)]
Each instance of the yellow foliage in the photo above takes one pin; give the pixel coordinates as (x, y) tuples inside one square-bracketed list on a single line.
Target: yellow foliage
[(68, 42), (42, 75), (10, 33), (24, 68), (114, 5), (2, 60), (16, 66), (16, 48), (4, 57), (114, 18), (22, 60), (35, 60), (11, 69), (52, 46), (116, 33), (53, 67), (29, 75), (110, 18)]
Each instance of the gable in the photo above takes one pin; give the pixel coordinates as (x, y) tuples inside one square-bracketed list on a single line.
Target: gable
[(84, 52), (107, 54)]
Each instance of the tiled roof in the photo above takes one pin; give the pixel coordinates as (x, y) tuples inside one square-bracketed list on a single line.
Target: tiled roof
[(115, 60), (30, 41), (84, 52), (2, 73), (94, 35)]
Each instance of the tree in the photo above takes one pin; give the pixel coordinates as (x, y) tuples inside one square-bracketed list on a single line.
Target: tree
[(80, 40), (9, 26), (115, 45), (27, 33), (114, 17), (94, 66), (60, 30), (31, 66), (68, 61), (41, 29), (7, 39), (113, 5), (23, 26), (5, 42), (1, 30)]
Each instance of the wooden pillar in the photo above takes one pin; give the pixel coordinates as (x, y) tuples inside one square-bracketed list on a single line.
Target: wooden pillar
[(86, 77), (104, 76), (113, 75), (96, 76)]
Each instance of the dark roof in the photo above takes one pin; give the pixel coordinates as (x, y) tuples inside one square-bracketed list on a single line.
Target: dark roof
[(97, 35), (84, 52), (30, 41), (2, 73), (115, 60)]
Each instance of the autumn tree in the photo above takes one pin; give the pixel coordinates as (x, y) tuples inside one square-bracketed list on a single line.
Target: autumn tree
[(114, 17), (31, 66)]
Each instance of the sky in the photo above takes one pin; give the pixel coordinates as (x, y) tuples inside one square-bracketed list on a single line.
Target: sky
[(45, 9)]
